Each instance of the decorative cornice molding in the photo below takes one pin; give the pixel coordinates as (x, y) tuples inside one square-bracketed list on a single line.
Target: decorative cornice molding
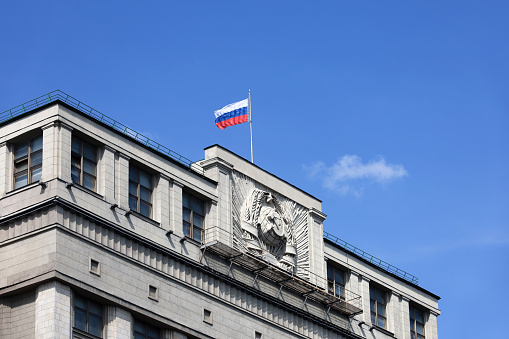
[(216, 162), (109, 148), (122, 155), (317, 215), (67, 127), (50, 125)]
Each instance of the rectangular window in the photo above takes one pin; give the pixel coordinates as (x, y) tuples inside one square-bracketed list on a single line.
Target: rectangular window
[(83, 163), (336, 281), (193, 216), (145, 331), (88, 316), (378, 304), (27, 161), (140, 191), (416, 323)]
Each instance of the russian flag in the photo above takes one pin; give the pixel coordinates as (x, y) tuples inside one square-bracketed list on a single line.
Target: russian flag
[(232, 114)]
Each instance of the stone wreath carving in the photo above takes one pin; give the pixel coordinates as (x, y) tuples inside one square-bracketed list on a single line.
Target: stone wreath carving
[(267, 230)]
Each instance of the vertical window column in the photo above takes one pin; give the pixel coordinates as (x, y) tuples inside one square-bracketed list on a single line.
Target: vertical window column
[(416, 323), (378, 307), (83, 163), (336, 281), (140, 191), (88, 316), (193, 215), (28, 161)]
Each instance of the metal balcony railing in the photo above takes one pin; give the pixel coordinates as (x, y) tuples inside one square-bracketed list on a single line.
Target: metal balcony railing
[(308, 285), (84, 108), (372, 259)]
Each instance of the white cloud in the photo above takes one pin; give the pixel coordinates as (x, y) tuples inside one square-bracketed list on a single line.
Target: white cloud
[(349, 174)]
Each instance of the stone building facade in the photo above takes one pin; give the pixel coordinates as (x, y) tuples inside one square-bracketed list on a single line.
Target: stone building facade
[(106, 234)]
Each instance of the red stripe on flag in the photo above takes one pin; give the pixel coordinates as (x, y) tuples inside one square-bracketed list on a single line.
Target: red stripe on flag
[(233, 121)]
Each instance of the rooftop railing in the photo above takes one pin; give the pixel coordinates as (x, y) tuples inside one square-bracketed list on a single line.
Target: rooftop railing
[(372, 259), (84, 108)]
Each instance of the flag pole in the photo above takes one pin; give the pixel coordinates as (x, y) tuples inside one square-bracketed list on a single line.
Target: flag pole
[(250, 125)]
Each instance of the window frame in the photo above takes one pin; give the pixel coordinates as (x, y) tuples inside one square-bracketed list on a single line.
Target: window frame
[(332, 284), (87, 312), (82, 172), (374, 311), (192, 213), (146, 328), (139, 188), (28, 158), (413, 333)]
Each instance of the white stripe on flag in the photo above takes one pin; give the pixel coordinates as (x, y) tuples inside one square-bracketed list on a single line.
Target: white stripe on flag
[(231, 107)]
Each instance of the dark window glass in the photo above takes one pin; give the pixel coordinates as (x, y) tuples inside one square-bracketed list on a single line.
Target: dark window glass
[(378, 305), (192, 216), (336, 281), (145, 331), (88, 316), (416, 323), (27, 161), (140, 191), (83, 163)]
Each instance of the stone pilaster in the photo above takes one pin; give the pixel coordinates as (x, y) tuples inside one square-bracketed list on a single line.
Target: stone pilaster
[(53, 311), (171, 334), (431, 326), (50, 157), (106, 175), (316, 251), (122, 181), (176, 208), (364, 292), (64, 151), (161, 198), (221, 171), (405, 317), (118, 323), (5, 169)]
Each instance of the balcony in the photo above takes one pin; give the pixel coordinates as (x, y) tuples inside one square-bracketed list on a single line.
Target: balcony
[(312, 286)]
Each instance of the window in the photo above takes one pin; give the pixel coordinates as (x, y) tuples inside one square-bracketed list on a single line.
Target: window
[(258, 335), (207, 316), (378, 303), (416, 323), (95, 267), (88, 316), (140, 191), (152, 292), (83, 163), (193, 215), (336, 281), (27, 161), (145, 331)]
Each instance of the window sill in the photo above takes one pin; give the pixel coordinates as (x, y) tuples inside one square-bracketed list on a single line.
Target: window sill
[(78, 334), (86, 190), (24, 188), (191, 240), (383, 330), (144, 218)]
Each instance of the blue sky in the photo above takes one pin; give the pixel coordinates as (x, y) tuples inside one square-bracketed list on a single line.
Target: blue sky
[(392, 113)]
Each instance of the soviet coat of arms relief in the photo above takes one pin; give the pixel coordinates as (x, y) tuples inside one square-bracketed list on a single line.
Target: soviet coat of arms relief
[(267, 229)]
